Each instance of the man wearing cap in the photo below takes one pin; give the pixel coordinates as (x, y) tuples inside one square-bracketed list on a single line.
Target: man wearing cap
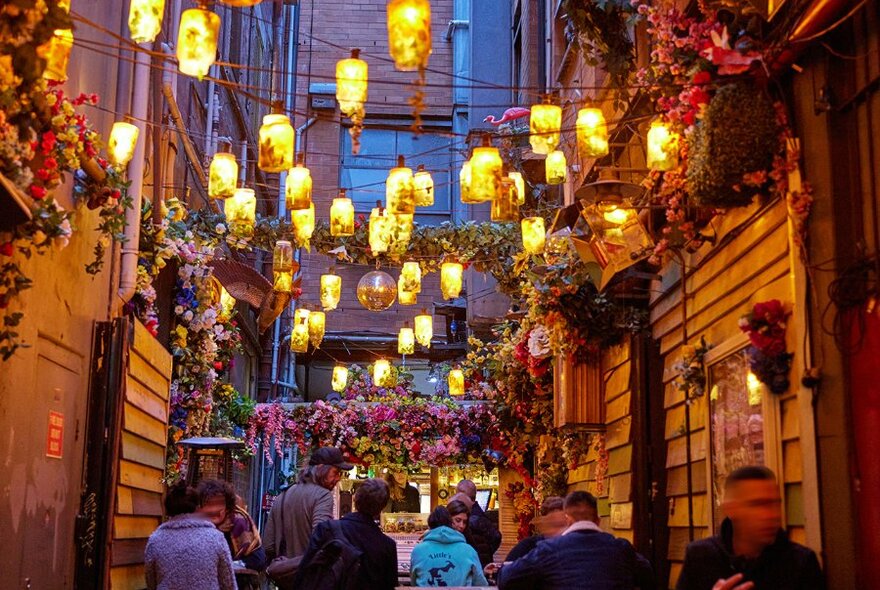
[(300, 508)]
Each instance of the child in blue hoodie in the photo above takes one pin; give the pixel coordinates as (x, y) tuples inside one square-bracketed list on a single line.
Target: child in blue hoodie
[(444, 558)]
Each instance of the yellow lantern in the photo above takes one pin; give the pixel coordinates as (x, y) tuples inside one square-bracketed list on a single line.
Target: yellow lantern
[(456, 382), (399, 190), (486, 166), (409, 33), (227, 303), (411, 274), (401, 232), (241, 207), (342, 216), (450, 279), (56, 52), (380, 230), (424, 187), (464, 183), (123, 139), (519, 186), (317, 322), (504, 207), (222, 174), (662, 147), (282, 266), (351, 84), (555, 167), (424, 330), (405, 297), (197, 41), (276, 146), (145, 19), (303, 221), (592, 133), (298, 192), (406, 340), (339, 381), (299, 337), (382, 373), (331, 290), (533, 234), (240, 3), (545, 123)]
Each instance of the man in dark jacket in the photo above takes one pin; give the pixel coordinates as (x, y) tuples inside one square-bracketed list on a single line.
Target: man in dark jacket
[(752, 551), (582, 558), (378, 564), (482, 533)]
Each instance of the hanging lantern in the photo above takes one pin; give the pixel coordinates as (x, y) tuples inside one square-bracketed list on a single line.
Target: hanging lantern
[(533, 234), (282, 266), (240, 3), (401, 232), (123, 139), (456, 382), (339, 381), (424, 187), (241, 208), (405, 297), (464, 183), (317, 321), (450, 279), (545, 123), (486, 168), (298, 192), (504, 207), (399, 190), (303, 221), (662, 147), (382, 373), (222, 174), (411, 273), (555, 167), (56, 52), (276, 146), (376, 290), (341, 216), (299, 336), (331, 290), (409, 34), (351, 84), (379, 230), (145, 19), (197, 41), (592, 133), (406, 340), (519, 186), (424, 330), (227, 303)]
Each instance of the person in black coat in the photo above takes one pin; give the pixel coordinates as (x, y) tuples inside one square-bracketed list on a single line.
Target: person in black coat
[(752, 552), (483, 534)]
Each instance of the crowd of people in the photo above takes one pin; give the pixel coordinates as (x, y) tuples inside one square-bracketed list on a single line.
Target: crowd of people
[(304, 548)]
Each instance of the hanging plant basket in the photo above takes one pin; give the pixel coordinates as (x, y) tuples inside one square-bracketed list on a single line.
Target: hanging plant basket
[(737, 136)]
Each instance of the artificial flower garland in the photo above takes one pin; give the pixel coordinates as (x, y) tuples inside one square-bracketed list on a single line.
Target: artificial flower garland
[(768, 358)]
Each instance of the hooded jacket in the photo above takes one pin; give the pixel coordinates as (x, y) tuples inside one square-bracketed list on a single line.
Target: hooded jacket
[(188, 553), (444, 558)]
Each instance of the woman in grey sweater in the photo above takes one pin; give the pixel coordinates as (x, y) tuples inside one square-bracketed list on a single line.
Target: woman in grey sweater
[(187, 552)]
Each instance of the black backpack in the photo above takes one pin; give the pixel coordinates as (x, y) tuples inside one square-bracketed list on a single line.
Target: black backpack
[(335, 566)]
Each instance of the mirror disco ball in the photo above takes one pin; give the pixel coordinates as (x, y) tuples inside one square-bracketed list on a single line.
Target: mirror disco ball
[(377, 290)]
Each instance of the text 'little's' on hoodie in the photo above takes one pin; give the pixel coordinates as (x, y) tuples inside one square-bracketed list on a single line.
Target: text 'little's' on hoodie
[(444, 558)]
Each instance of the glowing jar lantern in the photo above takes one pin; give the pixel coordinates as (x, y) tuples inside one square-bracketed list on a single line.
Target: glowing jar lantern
[(282, 266), (399, 190), (331, 290), (411, 274), (351, 84), (123, 139), (456, 382), (464, 183), (662, 147), (555, 167), (519, 186), (241, 208), (533, 234), (197, 41), (401, 232), (424, 187), (592, 133), (276, 144), (299, 337), (505, 206), (406, 340), (339, 381), (298, 189), (342, 216), (222, 174), (424, 328), (409, 33), (317, 323), (382, 373), (545, 122), (379, 229), (486, 166), (56, 52), (303, 221), (405, 297), (145, 19), (450, 279), (227, 303), (240, 3)]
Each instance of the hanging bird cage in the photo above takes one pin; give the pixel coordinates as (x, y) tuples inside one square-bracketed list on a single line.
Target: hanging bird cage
[(545, 123), (298, 192), (122, 142), (197, 41), (409, 33), (282, 266), (556, 168), (533, 234), (592, 133), (276, 143), (223, 173), (331, 290), (424, 187), (399, 190), (451, 274), (145, 20), (342, 216)]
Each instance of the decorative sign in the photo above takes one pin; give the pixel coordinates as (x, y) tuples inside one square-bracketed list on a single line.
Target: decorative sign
[(268, 500), (55, 436), (621, 516)]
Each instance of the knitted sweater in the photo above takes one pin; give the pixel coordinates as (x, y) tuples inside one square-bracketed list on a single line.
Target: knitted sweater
[(188, 553)]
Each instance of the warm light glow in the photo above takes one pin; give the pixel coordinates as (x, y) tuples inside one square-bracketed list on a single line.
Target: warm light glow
[(592, 133), (486, 167), (450, 279), (123, 139), (409, 33), (317, 322), (276, 146), (377, 290), (519, 185), (618, 216), (424, 187), (382, 373), (340, 378), (331, 290), (545, 122), (411, 273), (342, 216), (298, 192), (405, 297), (197, 41), (351, 84), (464, 183), (56, 52), (401, 232), (533, 234), (145, 19), (399, 191), (222, 176), (299, 336), (406, 341), (380, 230), (240, 3), (755, 388), (303, 221), (282, 266), (241, 207), (556, 168), (662, 147), (504, 207), (456, 382), (424, 328), (227, 303)]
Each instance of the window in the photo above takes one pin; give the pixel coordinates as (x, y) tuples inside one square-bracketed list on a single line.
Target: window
[(363, 175)]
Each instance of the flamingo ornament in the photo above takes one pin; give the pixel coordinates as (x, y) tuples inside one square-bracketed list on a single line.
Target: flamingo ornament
[(510, 114)]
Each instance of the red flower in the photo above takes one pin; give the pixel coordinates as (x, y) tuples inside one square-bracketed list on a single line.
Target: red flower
[(50, 163), (218, 365), (7, 249), (48, 142), (701, 77), (38, 192)]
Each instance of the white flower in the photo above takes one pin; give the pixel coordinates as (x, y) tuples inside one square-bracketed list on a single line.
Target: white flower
[(220, 228), (539, 342), (178, 310), (188, 316)]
